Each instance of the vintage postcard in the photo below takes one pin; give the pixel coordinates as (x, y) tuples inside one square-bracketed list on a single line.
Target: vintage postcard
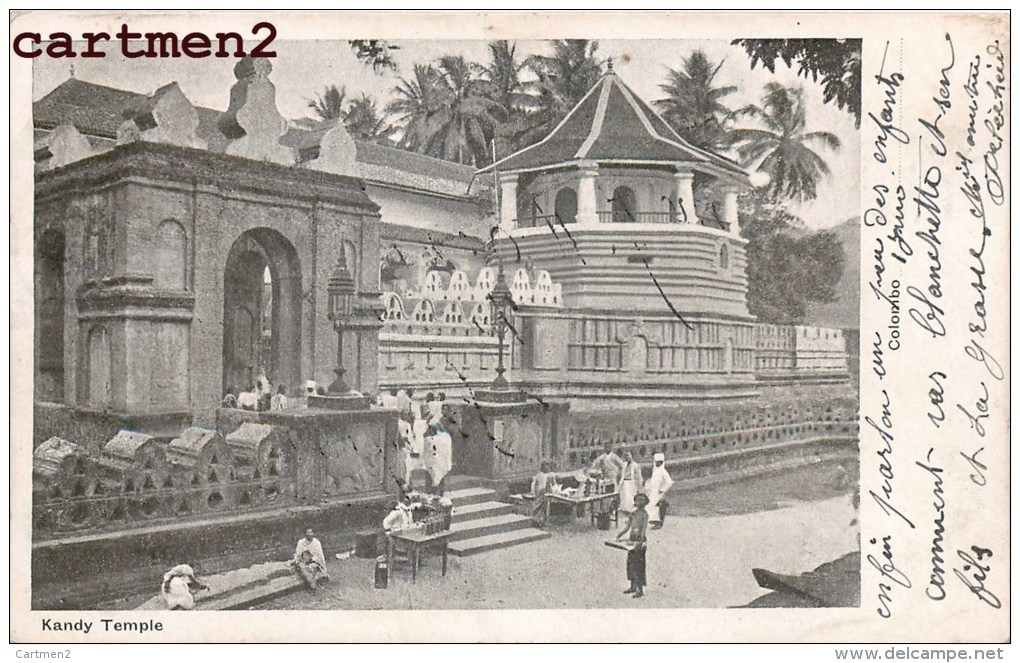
[(510, 327)]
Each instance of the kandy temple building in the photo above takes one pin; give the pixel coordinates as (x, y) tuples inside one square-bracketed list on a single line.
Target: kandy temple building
[(180, 249)]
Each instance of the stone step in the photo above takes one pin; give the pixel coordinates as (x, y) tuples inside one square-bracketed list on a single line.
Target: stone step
[(471, 496), (480, 544), (240, 588), (480, 510), (491, 525), (255, 594)]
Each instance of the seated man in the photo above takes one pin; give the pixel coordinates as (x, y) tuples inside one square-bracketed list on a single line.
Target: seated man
[(309, 562), (177, 586), (399, 517)]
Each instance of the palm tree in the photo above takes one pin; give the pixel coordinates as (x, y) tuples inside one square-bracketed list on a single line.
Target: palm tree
[(782, 147), (330, 105), (414, 108), (693, 104), (446, 111), (363, 121), (562, 80), (504, 78), (469, 116)]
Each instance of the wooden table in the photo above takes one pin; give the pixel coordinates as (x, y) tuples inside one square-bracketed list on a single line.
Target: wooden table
[(413, 541), (578, 502)]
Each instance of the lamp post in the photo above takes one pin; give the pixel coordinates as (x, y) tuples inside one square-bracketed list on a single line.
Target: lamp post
[(501, 301), (341, 301)]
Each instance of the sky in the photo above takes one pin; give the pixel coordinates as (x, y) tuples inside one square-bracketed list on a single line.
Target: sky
[(303, 69)]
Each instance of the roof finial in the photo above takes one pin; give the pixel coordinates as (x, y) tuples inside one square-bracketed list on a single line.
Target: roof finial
[(609, 65), (72, 70)]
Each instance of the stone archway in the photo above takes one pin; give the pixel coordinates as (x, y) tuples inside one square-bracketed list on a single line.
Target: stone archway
[(262, 311)]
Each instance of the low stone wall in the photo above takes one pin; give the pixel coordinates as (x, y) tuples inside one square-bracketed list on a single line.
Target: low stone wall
[(90, 571), (685, 432)]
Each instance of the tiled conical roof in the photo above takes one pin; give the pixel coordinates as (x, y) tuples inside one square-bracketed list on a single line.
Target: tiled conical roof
[(611, 123)]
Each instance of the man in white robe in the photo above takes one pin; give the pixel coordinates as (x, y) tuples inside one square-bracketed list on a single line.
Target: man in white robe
[(309, 561), (657, 487), (439, 452), (399, 517)]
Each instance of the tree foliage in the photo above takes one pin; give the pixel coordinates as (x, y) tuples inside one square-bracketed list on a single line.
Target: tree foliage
[(837, 62), (693, 103), (364, 120), (503, 74), (447, 111), (330, 104), (561, 80), (782, 147), (361, 116), (788, 267), (376, 53)]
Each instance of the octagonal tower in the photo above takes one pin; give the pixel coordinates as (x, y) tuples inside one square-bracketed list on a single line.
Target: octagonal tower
[(641, 230)]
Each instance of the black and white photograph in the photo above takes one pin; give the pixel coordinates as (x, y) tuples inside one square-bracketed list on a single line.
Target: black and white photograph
[(505, 324)]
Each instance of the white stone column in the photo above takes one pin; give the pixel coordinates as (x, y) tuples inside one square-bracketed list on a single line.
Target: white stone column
[(587, 204), (507, 202), (730, 209), (684, 193)]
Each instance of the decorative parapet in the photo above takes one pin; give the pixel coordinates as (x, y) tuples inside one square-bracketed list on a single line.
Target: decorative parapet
[(165, 116), (62, 146), (137, 479), (136, 462), (57, 459), (448, 305), (200, 456), (820, 349), (440, 335), (252, 122), (257, 451), (429, 317), (798, 350), (457, 287)]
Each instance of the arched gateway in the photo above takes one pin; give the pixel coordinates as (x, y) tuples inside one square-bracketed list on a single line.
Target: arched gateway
[(261, 311)]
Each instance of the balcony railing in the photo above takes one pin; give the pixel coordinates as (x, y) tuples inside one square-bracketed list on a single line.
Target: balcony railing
[(541, 221), (640, 217), (657, 217), (546, 220)]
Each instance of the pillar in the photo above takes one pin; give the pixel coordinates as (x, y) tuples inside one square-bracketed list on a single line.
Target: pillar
[(684, 193), (587, 209), (730, 210), (507, 202)]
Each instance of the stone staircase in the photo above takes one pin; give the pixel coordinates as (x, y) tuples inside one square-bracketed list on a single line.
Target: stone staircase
[(481, 523)]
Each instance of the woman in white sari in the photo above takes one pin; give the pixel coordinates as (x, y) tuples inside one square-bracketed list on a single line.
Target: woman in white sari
[(630, 483)]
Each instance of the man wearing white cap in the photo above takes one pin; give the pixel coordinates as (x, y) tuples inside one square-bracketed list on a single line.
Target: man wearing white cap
[(657, 487)]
